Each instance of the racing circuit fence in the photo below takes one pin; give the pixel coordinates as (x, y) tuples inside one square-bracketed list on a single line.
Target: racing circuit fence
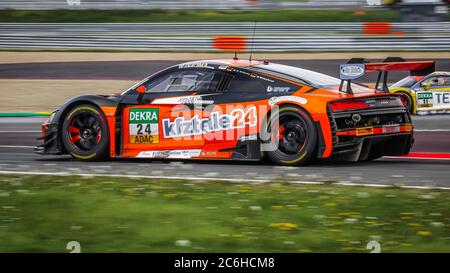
[(281, 37), (178, 4)]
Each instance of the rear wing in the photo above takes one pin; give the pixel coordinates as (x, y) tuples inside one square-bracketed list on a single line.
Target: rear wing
[(358, 67)]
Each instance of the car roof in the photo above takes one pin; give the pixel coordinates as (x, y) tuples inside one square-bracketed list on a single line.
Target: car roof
[(297, 74), (440, 73), (287, 70), (231, 62)]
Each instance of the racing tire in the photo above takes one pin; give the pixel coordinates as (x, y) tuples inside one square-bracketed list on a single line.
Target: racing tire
[(85, 134), (408, 100), (294, 138)]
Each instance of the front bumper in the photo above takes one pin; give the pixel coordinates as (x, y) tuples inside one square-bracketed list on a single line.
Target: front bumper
[(50, 145)]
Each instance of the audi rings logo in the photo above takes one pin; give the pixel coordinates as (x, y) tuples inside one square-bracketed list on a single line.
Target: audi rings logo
[(356, 118)]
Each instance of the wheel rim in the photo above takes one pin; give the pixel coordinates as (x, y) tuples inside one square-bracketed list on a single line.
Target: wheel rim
[(292, 135), (84, 131)]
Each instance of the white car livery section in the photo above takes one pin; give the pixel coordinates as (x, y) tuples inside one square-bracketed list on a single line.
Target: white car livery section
[(238, 118), (433, 100), (170, 154), (275, 100), (195, 99)]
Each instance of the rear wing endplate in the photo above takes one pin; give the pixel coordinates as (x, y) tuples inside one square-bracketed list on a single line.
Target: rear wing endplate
[(358, 67)]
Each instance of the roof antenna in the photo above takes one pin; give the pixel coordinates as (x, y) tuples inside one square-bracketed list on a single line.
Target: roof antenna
[(253, 40)]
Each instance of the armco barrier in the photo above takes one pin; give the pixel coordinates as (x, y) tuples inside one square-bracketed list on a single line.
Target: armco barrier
[(239, 28), (260, 43), (228, 36)]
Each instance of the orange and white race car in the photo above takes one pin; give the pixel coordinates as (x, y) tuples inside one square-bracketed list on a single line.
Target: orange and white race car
[(235, 110)]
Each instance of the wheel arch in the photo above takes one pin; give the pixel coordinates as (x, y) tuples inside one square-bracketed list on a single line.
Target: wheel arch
[(64, 110), (299, 106), (411, 94)]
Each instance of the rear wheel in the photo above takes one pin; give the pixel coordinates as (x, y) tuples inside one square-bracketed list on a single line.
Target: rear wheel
[(293, 138), (408, 100), (85, 133)]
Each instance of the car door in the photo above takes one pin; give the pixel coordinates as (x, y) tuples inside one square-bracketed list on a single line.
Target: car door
[(163, 121), (242, 99), (433, 93)]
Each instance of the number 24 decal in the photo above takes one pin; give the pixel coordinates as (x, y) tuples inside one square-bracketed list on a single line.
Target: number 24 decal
[(141, 128)]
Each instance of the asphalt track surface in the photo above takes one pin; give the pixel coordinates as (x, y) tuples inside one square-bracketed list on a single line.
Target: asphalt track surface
[(18, 136)]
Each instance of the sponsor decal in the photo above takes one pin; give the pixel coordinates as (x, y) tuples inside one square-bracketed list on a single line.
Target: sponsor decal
[(143, 126), (197, 99), (170, 154), (252, 75), (277, 89), (424, 95), (437, 100), (196, 65), (389, 129), (275, 100), (264, 78), (364, 131), (240, 71), (248, 138), (351, 71), (209, 153), (425, 105), (238, 118)]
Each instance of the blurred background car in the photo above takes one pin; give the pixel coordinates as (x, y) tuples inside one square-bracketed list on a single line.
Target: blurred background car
[(425, 93)]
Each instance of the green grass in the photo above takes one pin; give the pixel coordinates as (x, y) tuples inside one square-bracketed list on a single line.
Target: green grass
[(113, 16), (42, 214)]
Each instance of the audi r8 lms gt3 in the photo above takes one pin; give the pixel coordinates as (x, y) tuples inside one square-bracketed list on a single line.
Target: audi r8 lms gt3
[(235, 110), (425, 93)]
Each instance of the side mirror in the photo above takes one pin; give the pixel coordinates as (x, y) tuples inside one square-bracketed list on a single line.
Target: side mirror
[(141, 89), (425, 85)]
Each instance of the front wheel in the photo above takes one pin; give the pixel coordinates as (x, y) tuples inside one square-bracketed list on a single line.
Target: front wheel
[(85, 133), (293, 138)]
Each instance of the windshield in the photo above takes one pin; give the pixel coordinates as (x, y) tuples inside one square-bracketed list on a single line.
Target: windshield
[(405, 82), (315, 79)]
